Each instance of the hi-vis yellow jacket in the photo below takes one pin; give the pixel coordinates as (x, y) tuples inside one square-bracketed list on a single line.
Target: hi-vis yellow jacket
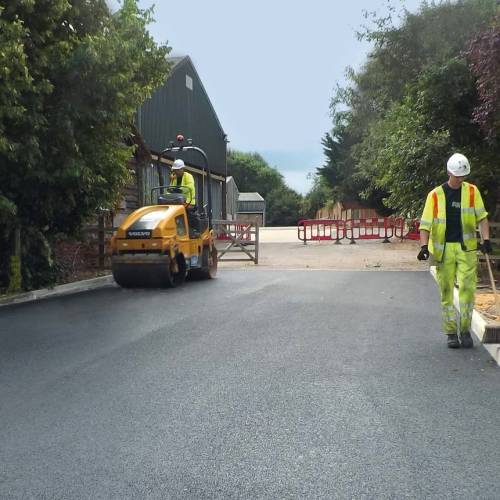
[(187, 181), (434, 218)]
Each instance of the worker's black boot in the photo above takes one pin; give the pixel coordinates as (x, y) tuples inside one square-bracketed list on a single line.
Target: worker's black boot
[(453, 342), (466, 340)]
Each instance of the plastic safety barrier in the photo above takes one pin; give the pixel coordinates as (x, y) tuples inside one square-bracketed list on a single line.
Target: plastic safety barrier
[(413, 230), (369, 229), (352, 229), (399, 225), (321, 230)]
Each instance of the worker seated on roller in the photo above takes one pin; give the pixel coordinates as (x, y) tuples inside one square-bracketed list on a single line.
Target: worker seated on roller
[(181, 178)]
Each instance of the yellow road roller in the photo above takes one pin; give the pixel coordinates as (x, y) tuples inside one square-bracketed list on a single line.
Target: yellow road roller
[(160, 245)]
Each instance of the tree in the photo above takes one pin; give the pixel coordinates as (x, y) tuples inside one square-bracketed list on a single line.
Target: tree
[(402, 156), (283, 207), (78, 77), (340, 173), (438, 32), (337, 169), (16, 82), (410, 107), (318, 196), (253, 174), (483, 54)]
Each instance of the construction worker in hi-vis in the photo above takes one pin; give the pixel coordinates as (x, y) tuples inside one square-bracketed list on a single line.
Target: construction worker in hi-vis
[(451, 215), (181, 178)]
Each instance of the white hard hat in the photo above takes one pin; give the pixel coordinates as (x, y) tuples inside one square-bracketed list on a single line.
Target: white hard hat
[(458, 165), (178, 164)]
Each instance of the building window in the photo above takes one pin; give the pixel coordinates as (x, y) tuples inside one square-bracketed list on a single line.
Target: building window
[(189, 82)]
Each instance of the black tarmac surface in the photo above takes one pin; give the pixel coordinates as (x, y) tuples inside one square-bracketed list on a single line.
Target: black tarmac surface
[(260, 384)]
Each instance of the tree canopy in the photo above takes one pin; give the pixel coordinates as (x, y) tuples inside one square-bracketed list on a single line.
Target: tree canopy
[(284, 206), (73, 75), (429, 88)]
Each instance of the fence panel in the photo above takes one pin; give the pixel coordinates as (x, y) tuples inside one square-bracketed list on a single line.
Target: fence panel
[(98, 238)]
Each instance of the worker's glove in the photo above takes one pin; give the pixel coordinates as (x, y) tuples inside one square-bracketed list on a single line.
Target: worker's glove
[(485, 246), (424, 253)]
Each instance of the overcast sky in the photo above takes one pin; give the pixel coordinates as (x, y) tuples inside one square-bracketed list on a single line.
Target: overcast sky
[(270, 68)]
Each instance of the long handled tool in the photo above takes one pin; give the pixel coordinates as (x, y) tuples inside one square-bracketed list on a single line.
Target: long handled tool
[(495, 309)]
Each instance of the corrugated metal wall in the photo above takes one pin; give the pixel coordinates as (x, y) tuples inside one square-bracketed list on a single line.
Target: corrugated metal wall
[(255, 218), (251, 206), (216, 192), (151, 179), (182, 106), (232, 196)]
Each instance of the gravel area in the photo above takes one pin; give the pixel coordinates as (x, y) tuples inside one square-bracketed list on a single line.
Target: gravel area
[(281, 248)]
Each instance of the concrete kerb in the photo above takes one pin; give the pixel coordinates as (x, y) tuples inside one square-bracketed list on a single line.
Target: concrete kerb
[(478, 325), (58, 291)]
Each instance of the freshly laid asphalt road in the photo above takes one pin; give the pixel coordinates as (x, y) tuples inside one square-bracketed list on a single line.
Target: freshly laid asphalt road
[(260, 384)]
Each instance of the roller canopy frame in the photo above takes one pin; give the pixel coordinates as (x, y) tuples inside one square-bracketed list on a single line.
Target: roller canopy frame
[(190, 147)]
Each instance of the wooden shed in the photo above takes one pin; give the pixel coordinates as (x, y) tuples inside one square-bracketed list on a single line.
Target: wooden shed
[(252, 208), (348, 209)]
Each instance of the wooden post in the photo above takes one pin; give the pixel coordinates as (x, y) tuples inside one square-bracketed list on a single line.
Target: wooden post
[(141, 167), (161, 177), (17, 243), (256, 257), (101, 240), (224, 200), (15, 277)]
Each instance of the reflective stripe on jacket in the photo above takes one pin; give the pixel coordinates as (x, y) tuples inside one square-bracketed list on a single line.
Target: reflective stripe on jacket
[(434, 218), (187, 181)]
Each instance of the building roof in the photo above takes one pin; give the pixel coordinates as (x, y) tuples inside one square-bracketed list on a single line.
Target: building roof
[(174, 60), (250, 197)]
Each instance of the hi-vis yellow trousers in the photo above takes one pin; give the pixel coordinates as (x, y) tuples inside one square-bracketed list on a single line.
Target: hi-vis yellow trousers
[(462, 265)]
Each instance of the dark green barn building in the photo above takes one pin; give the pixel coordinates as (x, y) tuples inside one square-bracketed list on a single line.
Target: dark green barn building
[(180, 106)]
